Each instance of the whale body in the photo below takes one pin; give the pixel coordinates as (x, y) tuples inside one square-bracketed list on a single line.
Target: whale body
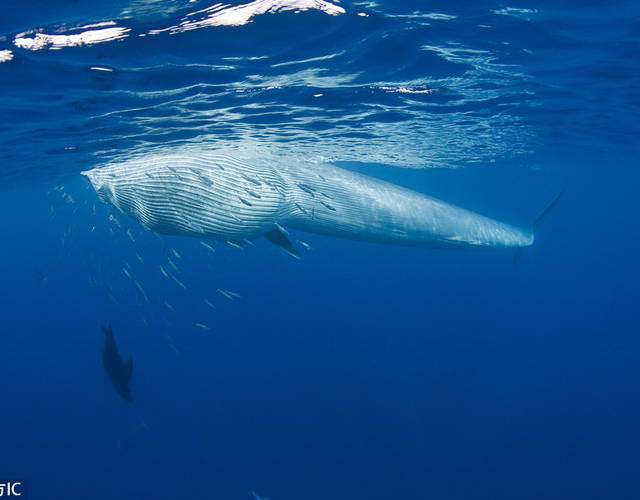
[(226, 198)]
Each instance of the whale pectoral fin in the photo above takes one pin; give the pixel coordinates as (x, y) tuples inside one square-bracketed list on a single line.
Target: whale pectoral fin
[(279, 238), (128, 369)]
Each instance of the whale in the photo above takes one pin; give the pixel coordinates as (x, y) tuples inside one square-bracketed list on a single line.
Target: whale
[(233, 198)]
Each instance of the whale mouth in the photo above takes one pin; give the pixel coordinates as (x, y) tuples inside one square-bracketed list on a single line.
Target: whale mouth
[(93, 178), (99, 183)]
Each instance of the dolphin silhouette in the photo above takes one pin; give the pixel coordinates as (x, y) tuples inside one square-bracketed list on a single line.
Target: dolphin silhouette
[(118, 371), (224, 197)]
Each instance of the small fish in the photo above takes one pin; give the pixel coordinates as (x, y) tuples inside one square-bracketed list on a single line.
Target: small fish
[(139, 257), (169, 306), (304, 244), (228, 294), (208, 247), (174, 348), (205, 180), (301, 208), (180, 283), (202, 326), (126, 273), (249, 204), (281, 228), (164, 272), (130, 235), (258, 497), (234, 245), (326, 195), (114, 220), (173, 264), (195, 227), (175, 252), (328, 206), (252, 180), (139, 286), (206, 301), (253, 193), (307, 189)]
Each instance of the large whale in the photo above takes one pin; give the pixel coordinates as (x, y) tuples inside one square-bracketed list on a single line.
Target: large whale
[(223, 197)]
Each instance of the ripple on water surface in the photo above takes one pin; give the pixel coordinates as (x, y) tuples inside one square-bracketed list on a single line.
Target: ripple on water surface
[(377, 82)]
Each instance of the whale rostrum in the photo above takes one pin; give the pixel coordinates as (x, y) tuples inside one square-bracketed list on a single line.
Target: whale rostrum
[(222, 197)]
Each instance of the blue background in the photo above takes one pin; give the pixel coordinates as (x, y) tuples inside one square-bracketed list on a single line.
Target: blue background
[(360, 371)]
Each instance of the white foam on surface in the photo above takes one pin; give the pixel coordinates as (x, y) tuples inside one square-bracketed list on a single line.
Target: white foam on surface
[(527, 14), (308, 60), (90, 37), (408, 90), (5, 56), (238, 15), (97, 25)]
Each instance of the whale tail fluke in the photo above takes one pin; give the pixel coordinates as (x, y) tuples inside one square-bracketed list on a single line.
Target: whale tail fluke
[(548, 209), (519, 253)]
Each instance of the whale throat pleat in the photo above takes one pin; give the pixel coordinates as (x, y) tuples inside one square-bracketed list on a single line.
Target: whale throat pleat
[(212, 196)]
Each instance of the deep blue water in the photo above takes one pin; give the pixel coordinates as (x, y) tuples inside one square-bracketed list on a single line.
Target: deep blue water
[(361, 371)]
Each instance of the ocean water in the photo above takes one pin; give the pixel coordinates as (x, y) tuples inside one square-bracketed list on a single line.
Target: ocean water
[(359, 371)]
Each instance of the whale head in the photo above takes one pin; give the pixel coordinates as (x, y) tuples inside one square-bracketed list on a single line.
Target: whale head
[(199, 194), (99, 178)]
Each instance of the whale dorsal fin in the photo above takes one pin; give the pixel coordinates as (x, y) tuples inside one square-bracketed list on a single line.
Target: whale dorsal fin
[(128, 369), (278, 237)]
